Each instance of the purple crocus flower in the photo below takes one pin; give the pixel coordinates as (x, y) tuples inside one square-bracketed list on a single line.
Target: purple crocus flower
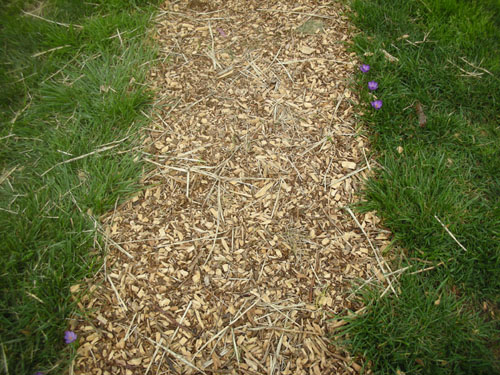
[(364, 68), (372, 85), (39, 373), (69, 337), (377, 104)]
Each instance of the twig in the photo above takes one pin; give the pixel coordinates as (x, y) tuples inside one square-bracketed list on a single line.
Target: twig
[(451, 234), (196, 102), (423, 2), (107, 238), (286, 70), (389, 57), (35, 297), (276, 309), (281, 329), (23, 78), (350, 362), (243, 313), (171, 109), (312, 282), (18, 113), (222, 331), (276, 356), (319, 143), (169, 363), (274, 59)]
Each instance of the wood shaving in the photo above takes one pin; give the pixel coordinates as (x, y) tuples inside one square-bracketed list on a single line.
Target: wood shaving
[(238, 254)]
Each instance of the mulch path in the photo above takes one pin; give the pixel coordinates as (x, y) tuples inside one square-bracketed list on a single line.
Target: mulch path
[(240, 251)]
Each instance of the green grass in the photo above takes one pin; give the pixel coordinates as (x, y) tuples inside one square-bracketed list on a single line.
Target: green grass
[(449, 169), (428, 330), (57, 104)]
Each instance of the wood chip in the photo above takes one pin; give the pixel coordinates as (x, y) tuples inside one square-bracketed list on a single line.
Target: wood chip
[(306, 50), (238, 253)]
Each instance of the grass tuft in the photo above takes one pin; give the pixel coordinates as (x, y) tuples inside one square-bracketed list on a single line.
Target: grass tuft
[(447, 60), (426, 330), (67, 91)]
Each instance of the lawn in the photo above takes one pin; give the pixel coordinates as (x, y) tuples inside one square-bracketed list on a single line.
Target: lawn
[(72, 101), (437, 140)]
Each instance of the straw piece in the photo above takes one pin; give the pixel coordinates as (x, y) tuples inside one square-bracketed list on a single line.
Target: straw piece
[(120, 301), (449, 232), (54, 22), (154, 355), (333, 183), (380, 261), (175, 355), (102, 149)]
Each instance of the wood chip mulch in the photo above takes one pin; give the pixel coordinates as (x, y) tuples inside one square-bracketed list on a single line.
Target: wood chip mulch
[(239, 252)]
